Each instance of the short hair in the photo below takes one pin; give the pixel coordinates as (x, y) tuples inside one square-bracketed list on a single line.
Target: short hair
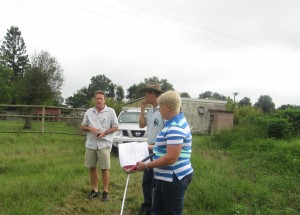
[(99, 92), (171, 99)]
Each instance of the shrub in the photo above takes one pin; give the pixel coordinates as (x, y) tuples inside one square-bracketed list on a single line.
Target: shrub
[(276, 127)]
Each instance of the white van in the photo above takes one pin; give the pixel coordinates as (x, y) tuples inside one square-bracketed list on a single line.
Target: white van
[(129, 130)]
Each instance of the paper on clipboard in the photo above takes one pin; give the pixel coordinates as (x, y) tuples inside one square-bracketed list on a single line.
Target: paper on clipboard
[(130, 153)]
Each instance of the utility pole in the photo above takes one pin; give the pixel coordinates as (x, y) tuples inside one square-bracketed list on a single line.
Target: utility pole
[(234, 95)]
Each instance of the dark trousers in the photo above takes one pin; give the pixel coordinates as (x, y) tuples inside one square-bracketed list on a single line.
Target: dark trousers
[(148, 189), (169, 196)]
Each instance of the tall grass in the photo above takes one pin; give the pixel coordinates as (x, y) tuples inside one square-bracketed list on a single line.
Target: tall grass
[(242, 176), (45, 174)]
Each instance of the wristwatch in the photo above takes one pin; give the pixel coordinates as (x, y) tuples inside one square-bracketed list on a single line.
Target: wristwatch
[(146, 166)]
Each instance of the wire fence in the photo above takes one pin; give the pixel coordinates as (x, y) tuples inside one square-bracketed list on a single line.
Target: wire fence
[(40, 119)]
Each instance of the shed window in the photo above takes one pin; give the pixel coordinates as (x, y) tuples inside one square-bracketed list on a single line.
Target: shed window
[(200, 110)]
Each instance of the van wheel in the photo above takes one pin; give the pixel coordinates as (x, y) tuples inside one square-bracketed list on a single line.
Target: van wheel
[(115, 151)]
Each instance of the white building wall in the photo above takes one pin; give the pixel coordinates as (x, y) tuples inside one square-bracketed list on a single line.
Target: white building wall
[(199, 122)]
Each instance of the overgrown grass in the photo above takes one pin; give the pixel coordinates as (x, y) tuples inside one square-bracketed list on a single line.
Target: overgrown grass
[(45, 174), (242, 176)]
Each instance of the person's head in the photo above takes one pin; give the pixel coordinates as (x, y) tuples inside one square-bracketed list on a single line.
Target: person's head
[(154, 88), (151, 92), (99, 99), (169, 104)]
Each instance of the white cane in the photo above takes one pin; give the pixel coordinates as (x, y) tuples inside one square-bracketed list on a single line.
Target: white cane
[(132, 169), (124, 196)]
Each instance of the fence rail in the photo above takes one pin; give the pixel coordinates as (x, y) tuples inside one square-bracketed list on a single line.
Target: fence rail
[(46, 118)]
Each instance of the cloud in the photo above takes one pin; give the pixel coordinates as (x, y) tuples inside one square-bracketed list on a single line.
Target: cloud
[(250, 47)]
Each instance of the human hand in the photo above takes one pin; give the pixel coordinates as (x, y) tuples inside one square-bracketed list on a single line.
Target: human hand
[(93, 130), (140, 166), (150, 146), (143, 104), (101, 134), (130, 169)]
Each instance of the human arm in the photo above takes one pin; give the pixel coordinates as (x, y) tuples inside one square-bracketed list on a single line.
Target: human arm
[(86, 125), (88, 128), (111, 126), (142, 119), (108, 131), (173, 152)]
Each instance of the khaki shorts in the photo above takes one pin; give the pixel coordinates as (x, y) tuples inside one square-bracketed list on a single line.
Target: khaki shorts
[(100, 156)]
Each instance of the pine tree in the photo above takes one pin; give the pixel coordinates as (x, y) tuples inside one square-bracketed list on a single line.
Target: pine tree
[(13, 53)]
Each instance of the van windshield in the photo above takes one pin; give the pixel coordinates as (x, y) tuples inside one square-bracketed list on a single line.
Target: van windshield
[(129, 117)]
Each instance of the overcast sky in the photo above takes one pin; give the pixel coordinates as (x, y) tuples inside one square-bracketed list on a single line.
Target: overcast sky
[(247, 46)]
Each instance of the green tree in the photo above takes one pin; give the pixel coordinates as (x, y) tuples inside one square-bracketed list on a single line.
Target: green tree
[(185, 95), (101, 82), (246, 115), (218, 96), (41, 83), (292, 115), (111, 91), (34, 88), (6, 85), (79, 99), (230, 105), (50, 66), (245, 102), (83, 97), (205, 95), (211, 95), (119, 93), (13, 53), (288, 106), (265, 103), (133, 91), (165, 85), (114, 104)]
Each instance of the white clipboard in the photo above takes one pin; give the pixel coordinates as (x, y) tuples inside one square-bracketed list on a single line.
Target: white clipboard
[(130, 153)]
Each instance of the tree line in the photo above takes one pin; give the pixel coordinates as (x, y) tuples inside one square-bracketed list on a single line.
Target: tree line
[(38, 81)]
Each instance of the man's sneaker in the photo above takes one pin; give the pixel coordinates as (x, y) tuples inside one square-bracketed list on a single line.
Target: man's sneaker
[(104, 196), (93, 194)]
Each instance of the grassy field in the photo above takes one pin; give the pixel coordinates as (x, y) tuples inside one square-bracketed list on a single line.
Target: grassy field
[(49, 127), (46, 175)]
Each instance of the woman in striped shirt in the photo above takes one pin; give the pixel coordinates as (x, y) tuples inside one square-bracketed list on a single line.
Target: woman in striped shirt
[(171, 164)]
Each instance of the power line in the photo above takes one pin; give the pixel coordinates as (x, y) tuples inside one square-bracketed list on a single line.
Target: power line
[(169, 26), (180, 29), (199, 27), (122, 21), (188, 23)]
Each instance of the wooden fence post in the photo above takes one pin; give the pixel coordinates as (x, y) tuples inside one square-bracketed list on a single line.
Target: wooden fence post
[(43, 120)]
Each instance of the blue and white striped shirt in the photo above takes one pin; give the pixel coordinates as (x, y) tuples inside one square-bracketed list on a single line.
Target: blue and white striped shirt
[(176, 131)]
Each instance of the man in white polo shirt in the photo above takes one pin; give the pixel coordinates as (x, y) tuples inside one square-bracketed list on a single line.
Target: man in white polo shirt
[(100, 122)]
